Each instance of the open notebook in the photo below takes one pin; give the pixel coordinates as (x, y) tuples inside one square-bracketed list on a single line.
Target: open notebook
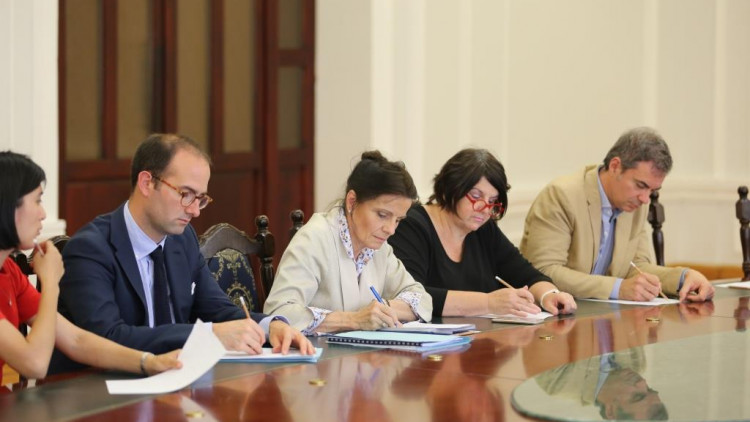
[(413, 342)]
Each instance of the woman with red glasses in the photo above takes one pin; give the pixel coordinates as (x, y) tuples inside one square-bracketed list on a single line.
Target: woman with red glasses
[(454, 247)]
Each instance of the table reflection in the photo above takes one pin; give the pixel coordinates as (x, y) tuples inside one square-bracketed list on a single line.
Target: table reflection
[(612, 383), (696, 378), (453, 391), (742, 313), (355, 382)]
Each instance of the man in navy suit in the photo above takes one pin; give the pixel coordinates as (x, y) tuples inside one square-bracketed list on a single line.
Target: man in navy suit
[(112, 276)]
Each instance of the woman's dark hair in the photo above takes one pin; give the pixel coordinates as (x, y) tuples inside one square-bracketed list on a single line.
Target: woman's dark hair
[(374, 175), (18, 176), (462, 171)]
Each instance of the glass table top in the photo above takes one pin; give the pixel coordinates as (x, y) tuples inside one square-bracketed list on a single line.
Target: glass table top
[(704, 378)]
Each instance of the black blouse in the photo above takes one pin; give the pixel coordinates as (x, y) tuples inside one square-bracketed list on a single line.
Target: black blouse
[(487, 253)]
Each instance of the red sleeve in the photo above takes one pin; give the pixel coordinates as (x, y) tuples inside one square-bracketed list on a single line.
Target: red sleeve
[(27, 298)]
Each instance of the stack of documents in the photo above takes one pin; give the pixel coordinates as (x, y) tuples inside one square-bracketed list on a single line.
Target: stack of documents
[(423, 327), (267, 355), (412, 342)]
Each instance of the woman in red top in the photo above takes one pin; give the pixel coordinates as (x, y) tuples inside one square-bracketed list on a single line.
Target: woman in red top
[(21, 215)]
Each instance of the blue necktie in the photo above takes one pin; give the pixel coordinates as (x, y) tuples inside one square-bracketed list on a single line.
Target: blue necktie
[(161, 294)]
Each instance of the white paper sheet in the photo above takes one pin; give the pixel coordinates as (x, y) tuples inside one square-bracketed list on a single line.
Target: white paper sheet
[(657, 301), (199, 354), (538, 316), (529, 319), (736, 285)]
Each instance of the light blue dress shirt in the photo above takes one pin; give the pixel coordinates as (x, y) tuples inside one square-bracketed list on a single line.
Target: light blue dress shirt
[(607, 244), (142, 248), (607, 241)]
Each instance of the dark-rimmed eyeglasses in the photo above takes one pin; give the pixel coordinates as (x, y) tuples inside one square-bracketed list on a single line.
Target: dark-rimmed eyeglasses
[(496, 208), (187, 197)]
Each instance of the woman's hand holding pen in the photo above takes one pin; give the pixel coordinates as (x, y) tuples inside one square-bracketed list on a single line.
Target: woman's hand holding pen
[(512, 301), (374, 316)]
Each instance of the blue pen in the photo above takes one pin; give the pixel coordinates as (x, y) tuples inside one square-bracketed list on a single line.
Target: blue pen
[(377, 296)]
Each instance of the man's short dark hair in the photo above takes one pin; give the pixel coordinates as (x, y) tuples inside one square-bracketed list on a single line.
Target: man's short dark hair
[(18, 177), (156, 152), (641, 144)]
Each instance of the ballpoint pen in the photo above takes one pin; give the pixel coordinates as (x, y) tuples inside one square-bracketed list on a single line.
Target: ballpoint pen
[(377, 296), (661, 293)]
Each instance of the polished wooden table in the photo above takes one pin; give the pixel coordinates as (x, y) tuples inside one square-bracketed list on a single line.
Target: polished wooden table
[(381, 385)]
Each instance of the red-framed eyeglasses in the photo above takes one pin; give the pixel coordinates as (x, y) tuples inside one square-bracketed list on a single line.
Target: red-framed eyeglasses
[(497, 209)]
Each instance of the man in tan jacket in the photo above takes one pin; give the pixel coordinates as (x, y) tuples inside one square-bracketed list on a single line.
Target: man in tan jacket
[(585, 229)]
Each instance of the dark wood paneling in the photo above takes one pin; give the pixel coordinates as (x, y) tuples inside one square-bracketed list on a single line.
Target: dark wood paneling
[(109, 94), (217, 79), (85, 200), (234, 194), (269, 149), (170, 67), (264, 181)]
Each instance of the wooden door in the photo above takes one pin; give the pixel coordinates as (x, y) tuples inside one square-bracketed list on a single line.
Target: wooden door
[(235, 75)]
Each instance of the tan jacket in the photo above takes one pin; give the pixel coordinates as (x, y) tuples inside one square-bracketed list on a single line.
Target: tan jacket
[(316, 271), (562, 233)]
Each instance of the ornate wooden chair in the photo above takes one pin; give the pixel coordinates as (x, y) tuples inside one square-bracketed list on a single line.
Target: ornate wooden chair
[(298, 220), (743, 214), (228, 253), (656, 218)]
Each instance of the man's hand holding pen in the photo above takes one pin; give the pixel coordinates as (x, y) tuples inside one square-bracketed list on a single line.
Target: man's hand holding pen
[(642, 287)]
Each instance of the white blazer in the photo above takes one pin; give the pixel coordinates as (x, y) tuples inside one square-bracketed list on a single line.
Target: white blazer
[(316, 271)]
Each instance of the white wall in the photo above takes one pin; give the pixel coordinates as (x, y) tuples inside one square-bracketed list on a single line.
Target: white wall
[(548, 86), (28, 91)]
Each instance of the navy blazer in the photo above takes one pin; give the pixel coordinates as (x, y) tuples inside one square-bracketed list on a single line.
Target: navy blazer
[(101, 290)]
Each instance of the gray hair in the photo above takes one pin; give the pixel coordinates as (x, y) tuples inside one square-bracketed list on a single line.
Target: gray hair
[(641, 144)]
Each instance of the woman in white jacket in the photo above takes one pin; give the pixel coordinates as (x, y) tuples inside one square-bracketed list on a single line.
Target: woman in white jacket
[(338, 267)]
